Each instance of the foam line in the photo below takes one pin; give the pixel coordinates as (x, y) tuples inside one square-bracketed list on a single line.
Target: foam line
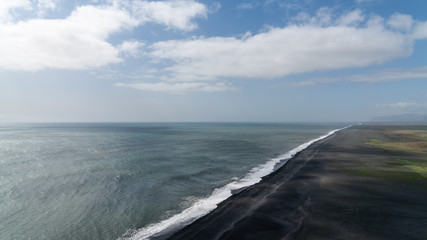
[(204, 206)]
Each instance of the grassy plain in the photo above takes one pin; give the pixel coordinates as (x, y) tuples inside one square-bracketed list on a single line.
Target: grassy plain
[(408, 157)]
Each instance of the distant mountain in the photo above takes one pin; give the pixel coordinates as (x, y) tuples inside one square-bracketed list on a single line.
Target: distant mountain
[(401, 118)]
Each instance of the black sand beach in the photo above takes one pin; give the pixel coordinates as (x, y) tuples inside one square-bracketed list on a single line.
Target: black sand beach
[(365, 182)]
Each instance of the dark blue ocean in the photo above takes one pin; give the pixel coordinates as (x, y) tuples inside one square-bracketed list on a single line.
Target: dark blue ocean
[(132, 180)]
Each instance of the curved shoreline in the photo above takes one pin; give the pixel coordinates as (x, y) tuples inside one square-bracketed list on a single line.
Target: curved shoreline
[(202, 207), (237, 207), (323, 192)]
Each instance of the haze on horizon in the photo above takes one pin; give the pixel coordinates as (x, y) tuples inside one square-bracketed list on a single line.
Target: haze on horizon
[(188, 60)]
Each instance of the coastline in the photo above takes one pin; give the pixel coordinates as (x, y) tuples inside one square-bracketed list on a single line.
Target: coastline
[(322, 193), (169, 226)]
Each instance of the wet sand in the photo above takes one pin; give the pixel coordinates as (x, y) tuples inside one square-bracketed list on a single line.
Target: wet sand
[(331, 190)]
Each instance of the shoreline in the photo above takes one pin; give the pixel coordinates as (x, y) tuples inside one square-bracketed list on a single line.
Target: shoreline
[(318, 194), (168, 227)]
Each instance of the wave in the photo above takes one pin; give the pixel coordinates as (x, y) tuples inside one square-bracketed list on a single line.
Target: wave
[(204, 206)]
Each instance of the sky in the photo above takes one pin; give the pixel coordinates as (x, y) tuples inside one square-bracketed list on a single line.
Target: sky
[(210, 61)]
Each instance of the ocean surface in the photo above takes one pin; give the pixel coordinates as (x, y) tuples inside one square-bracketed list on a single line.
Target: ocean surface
[(132, 180)]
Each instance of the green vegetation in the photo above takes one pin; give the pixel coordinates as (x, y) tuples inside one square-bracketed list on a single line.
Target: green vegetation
[(417, 135), (411, 147), (391, 175), (419, 167), (409, 164)]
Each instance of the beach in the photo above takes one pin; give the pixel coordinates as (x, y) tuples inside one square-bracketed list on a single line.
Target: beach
[(364, 182)]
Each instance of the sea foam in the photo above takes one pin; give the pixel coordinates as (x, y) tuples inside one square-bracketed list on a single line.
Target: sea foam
[(204, 206)]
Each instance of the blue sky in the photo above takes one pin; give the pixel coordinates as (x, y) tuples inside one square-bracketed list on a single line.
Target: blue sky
[(187, 60)]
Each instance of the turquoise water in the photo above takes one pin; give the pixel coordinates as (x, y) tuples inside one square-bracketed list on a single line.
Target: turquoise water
[(112, 180)]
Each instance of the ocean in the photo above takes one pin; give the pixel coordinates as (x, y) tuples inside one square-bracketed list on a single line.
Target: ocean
[(132, 180)]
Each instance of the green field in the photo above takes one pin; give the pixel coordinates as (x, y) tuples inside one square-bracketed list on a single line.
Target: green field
[(408, 158)]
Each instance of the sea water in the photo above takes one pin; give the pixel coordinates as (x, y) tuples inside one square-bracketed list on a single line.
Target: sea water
[(132, 180)]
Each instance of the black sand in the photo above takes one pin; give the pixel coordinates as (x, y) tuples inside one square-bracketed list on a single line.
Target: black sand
[(325, 192)]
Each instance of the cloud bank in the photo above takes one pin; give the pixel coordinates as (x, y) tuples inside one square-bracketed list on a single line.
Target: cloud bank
[(321, 42), (80, 41), (385, 75), (402, 105), (179, 87), (173, 14)]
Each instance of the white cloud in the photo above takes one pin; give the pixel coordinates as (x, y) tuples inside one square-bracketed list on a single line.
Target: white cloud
[(80, 41), (399, 105), (179, 87), (246, 6), (389, 75), (130, 48), (323, 18), (420, 30), (7, 8), (385, 75), (45, 5), (321, 45), (352, 18), (174, 14), (12, 10), (77, 42), (401, 22), (214, 7)]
